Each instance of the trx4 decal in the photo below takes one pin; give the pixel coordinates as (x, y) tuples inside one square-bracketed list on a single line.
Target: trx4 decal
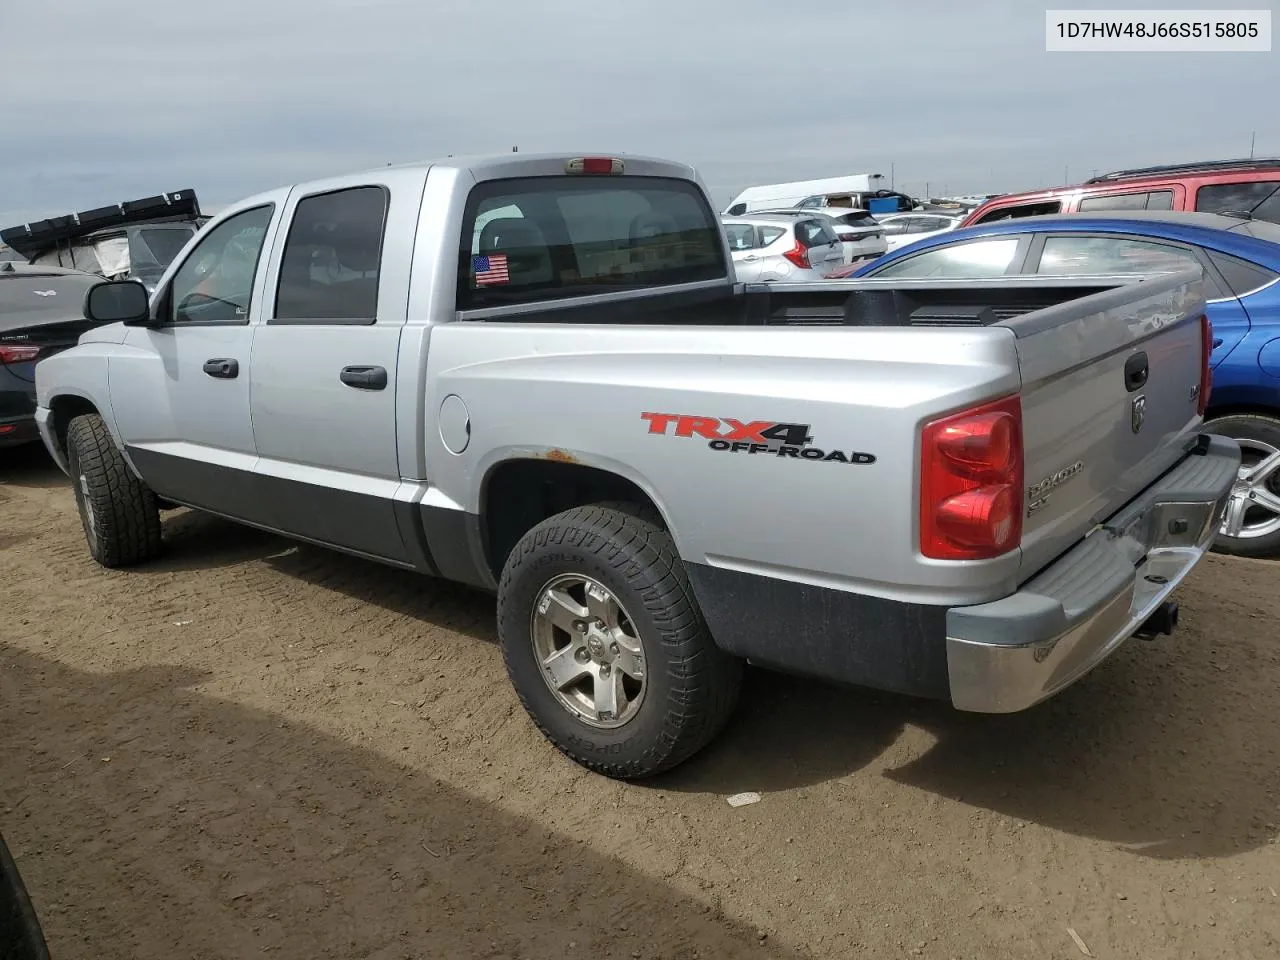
[(751, 437)]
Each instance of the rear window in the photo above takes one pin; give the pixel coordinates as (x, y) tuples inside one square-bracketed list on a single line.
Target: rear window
[(1260, 199), (545, 238), (814, 233), (31, 298), (163, 244), (859, 219)]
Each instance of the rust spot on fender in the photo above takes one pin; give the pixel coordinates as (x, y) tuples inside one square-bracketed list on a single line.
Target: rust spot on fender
[(560, 456)]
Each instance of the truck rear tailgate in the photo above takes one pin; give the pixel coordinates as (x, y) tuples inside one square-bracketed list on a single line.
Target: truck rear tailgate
[(1110, 392)]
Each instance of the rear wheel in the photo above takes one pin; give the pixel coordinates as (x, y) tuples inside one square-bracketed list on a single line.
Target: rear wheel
[(117, 510), (1251, 525), (605, 644)]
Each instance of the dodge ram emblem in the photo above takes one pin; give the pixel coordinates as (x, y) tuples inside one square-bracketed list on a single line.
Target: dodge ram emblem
[(1137, 413)]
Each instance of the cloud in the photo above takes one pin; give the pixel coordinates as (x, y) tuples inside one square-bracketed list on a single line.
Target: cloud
[(243, 96)]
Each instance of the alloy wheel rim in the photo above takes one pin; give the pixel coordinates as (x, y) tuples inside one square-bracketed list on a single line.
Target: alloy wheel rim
[(1254, 508), (589, 651)]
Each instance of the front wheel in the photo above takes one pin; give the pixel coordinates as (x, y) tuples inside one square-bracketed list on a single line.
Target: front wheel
[(117, 510), (1251, 525), (606, 646)]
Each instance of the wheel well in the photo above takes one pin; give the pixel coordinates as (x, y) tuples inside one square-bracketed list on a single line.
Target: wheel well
[(520, 494), (65, 409), (1239, 410)]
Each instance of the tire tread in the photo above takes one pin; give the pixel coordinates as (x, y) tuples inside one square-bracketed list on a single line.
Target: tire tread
[(705, 681), (126, 515)]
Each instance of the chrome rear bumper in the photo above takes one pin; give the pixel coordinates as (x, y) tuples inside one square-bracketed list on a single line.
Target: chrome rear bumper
[(1010, 654)]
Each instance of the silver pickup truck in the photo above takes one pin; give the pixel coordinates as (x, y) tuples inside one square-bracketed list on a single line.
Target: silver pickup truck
[(538, 376)]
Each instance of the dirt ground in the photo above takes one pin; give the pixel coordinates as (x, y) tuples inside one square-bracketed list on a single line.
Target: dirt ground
[(253, 748)]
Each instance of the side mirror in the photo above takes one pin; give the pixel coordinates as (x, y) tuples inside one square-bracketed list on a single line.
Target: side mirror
[(116, 301)]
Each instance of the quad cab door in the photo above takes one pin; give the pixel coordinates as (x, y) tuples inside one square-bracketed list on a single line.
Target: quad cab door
[(180, 387), (324, 378)]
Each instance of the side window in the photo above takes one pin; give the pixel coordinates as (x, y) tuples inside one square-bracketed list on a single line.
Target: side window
[(1159, 200), (894, 227), (1114, 201), (1260, 200), (1079, 255), (770, 234), (1026, 210), (536, 239), (741, 236), (977, 258), (1242, 276), (215, 282), (329, 266)]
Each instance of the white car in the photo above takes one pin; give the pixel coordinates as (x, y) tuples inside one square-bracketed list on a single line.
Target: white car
[(903, 228), (859, 231), (769, 247)]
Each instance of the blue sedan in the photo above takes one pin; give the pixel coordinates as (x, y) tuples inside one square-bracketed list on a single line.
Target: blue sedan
[(1241, 263)]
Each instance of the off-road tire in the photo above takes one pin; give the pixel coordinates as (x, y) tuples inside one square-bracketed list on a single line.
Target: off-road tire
[(693, 684), (117, 510)]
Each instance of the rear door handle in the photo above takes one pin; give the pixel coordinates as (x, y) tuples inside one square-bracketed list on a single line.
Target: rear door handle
[(1217, 342), (224, 368), (364, 378), (1136, 369)]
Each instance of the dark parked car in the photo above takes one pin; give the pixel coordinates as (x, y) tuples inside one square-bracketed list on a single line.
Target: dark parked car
[(20, 935), (41, 312)]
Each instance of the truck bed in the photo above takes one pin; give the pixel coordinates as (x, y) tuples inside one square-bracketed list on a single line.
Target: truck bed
[(857, 303)]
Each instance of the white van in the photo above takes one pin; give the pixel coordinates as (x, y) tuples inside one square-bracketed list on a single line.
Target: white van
[(774, 195)]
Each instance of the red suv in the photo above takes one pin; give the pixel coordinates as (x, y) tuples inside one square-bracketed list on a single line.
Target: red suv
[(1240, 187)]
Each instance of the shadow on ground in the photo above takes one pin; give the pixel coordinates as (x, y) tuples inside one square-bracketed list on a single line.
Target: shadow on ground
[(1168, 750), (29, 465), (1168, 764), (152, 821)]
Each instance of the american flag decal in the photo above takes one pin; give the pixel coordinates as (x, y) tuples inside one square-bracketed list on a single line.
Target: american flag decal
[(490, 269)]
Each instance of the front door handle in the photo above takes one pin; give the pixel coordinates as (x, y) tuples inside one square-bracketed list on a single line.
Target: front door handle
[(224, 368), (364, 378), (1217, 342)]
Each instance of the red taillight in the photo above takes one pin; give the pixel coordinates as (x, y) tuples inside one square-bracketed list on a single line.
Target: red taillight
[(1206, 372), (799, 255), (10, 353), (594, 165), (971, 483)]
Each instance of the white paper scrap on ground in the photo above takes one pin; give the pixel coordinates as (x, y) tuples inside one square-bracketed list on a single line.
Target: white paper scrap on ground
[(742, 799)]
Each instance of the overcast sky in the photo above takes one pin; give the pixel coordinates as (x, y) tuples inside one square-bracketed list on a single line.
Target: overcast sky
[(107, 101)]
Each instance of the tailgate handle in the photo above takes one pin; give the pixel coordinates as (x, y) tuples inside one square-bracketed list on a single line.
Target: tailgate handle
[(1135, 371)]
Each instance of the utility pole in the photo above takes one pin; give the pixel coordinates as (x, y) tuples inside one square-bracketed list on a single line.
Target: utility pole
[(515, 149), (891, 173), (1253, 135)]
